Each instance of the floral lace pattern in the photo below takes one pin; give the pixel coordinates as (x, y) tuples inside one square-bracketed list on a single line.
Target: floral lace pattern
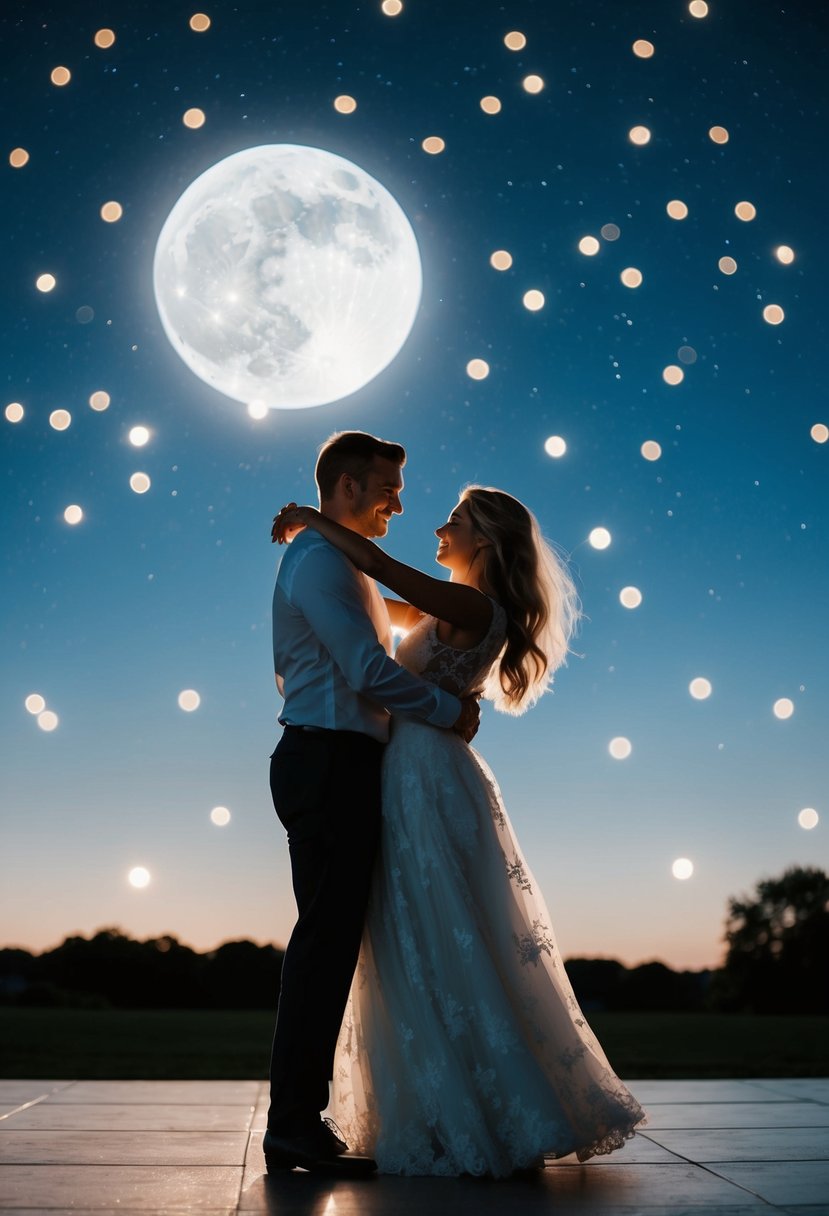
[(463, 1049)]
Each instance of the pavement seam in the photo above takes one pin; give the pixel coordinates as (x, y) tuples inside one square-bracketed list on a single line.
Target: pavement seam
[(25, 1106)]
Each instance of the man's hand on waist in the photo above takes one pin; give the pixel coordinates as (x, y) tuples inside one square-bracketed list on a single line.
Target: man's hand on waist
[(469, 720)]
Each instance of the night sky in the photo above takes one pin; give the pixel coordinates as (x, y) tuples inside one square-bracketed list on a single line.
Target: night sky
[(724, 534)]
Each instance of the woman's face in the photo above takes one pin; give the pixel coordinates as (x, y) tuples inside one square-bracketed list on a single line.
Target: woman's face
[(459, 542)]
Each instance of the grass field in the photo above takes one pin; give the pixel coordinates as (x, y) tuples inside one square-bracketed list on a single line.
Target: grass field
[(188, 1045)]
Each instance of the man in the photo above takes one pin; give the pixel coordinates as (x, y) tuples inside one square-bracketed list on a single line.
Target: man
[(332, 644)]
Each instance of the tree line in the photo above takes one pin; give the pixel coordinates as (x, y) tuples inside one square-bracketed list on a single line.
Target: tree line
[(777, 961)]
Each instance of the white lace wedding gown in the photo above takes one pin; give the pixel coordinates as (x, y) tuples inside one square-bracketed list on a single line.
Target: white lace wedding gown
[(463, 1049)]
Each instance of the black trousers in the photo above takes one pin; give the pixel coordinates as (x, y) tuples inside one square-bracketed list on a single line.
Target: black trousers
[(326, 792)]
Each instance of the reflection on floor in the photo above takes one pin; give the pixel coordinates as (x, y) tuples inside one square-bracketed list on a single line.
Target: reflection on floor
[(711, 1148)]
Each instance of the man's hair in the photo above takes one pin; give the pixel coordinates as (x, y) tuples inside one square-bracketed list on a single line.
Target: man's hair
[(352, 452)]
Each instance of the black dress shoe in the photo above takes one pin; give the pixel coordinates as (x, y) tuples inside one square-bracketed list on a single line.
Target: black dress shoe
[(320, 1151), (335, 1135)]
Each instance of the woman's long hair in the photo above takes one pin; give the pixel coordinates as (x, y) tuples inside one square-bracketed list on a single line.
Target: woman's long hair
[(533, 585)]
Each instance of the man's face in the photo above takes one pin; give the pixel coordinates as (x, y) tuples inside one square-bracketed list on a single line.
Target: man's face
[(373, 507)]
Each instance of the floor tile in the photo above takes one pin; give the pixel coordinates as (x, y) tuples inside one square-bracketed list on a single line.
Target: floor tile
[(92, 1116), (647, 1092), (142, 1188), (815, 1089), (750, 1144), (782, 1182), (17, 1092), (122, 1148), (737, 1114), (669, 1185), (168, 1093), (558, 1189)]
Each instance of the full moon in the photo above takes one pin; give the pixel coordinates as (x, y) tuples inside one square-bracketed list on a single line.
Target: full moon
[(286, 277)]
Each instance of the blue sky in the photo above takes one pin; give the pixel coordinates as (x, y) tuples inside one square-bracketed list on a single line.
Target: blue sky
[(724, 534)]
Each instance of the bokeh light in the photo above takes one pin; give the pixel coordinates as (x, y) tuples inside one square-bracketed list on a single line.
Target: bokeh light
[(48, 720), (599, 538), (59, 420), (138, 877), (819, 432), (700, 688), (200, 22), (727, 265), (433, 144), (686, 354), (631, 277), (555, 446), (773, 314), (682, 868), (193, 118), (392, 8), (808, 818), (490, 105), (532, 84), (104, 39), (45, 282), (138, 436), (611, 232), (477, 369), (745, 211), (220, 815), (111, 212), (620, 747), (651, 450), (60, 76), (718, 135), (140, 483), (643, 49), (84, 314), (672, 374), (18, 157), (73, 514), (515, 40), (698, 8), (630, 597), (588, 245), (676, 209), (639, 136), (345, 104), (99, 400), (14, 412), (533, 299), (189, 700), (783, 708), (784, 254), (500, 259), (35, 703)]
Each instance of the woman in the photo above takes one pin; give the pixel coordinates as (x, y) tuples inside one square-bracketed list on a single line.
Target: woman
[(463, 1049)]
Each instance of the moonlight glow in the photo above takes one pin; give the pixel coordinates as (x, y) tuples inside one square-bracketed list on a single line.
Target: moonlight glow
[(285, 274)]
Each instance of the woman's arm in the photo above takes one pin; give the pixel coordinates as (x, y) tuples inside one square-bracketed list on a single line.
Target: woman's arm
[(460, 605), (402, 616)]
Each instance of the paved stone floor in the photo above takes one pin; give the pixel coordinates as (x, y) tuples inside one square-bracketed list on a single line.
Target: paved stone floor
[(711, 1148)]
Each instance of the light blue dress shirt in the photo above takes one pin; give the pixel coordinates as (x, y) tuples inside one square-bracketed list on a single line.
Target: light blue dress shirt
[(332, 648)]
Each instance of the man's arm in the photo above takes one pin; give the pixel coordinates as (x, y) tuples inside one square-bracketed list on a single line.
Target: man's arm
[(456, 603), (324, 588)]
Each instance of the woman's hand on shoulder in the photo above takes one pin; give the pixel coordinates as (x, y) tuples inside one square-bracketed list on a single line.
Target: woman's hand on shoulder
[(290, 521)]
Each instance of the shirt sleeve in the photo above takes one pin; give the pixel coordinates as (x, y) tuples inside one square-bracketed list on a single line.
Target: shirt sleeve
[(324, 589)]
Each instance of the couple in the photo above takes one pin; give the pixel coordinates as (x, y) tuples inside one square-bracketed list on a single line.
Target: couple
[(457, 1047)]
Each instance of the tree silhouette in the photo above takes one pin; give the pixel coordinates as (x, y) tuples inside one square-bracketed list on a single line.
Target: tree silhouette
[(778, 946)]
